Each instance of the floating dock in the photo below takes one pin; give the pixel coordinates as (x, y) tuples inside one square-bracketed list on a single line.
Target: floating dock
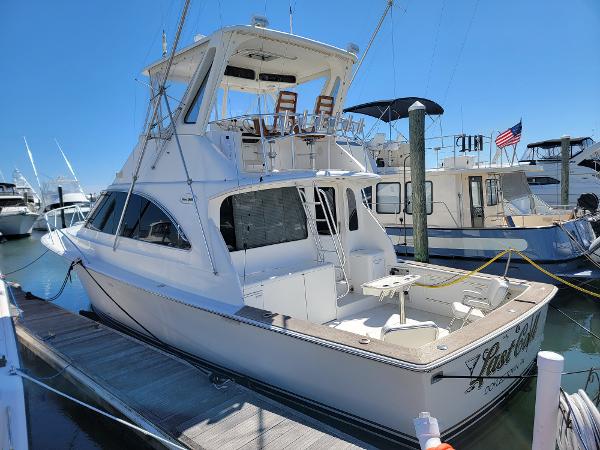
[(162, 393)]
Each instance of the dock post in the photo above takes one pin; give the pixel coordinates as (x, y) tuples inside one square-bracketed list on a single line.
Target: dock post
[(416, 119), (62, 204), (545, 425), (565, 147)]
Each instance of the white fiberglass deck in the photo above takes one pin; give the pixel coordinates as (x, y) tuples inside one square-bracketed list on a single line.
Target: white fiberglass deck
[(370, 322)]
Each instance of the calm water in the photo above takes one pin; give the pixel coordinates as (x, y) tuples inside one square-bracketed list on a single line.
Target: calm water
[(59, 424)]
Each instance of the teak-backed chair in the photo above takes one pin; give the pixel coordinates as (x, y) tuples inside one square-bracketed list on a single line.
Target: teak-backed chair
[(286, 102)]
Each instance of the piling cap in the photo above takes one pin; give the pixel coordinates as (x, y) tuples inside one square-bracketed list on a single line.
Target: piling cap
[(550, 362), (415, 106)]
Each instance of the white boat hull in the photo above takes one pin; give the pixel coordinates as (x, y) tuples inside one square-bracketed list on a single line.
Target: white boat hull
[(19, 224), (368, 389)]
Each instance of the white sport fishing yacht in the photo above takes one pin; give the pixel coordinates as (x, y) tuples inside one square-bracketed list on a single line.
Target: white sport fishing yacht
[(26, 190), (16, 216), (584, 164), (242, 241), (75, 206)]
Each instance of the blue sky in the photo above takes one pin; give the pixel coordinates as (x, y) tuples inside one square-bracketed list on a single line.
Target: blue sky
[(69, 67)]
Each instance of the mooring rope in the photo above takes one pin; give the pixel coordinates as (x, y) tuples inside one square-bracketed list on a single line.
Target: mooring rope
[(4, 274), (582, 422), (167, 442)]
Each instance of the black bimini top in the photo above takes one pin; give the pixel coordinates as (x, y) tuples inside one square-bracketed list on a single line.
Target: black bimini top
[(551, 143), (390, 110)]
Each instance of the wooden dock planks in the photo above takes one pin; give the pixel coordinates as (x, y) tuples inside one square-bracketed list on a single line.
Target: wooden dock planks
[(163, 393)]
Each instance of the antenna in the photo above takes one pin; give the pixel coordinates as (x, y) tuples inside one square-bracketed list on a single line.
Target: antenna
[(69, 166), (390, 3), (291, 19), (2, 175), (164, 44), (34, 169)]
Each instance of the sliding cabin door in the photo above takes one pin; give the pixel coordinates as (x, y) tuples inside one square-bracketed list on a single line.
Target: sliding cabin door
[(476, 202)]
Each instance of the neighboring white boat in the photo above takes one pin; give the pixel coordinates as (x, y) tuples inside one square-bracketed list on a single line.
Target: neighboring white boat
[(584, 164), (13, 418), (26, 190), (75, 203), (243, 241), (16, 217), (475, 209), (75, 206)]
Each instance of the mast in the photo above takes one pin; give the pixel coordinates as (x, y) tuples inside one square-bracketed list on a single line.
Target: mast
[(69, 166)]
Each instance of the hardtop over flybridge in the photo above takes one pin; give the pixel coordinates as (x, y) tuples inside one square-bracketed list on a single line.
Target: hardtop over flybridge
[(242, 239), (584, 164)]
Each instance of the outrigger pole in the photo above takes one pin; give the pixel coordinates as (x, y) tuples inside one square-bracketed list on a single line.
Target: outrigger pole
[(69, 166), (150, 123), (34, 169), (390, 3)]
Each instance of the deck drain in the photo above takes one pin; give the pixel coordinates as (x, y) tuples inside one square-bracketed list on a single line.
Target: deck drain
[(442, 347), (364, 341)]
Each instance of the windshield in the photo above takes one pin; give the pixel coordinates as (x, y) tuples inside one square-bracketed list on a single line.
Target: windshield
[(518, 198)]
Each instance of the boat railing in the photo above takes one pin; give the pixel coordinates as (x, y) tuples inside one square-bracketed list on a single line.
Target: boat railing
[(54, 217), (309, 128)]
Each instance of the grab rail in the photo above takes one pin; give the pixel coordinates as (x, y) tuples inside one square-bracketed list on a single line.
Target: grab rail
[(56, 214), (295, 125)]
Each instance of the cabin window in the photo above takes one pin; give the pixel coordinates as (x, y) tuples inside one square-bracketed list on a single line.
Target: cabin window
[(105, 216), (143, 220), (260, 218), (367, 196), (491, 188), (352, 212), (192, 114), (428, 197), (388, 198), (541, 181), (12, 202), (327, 210)]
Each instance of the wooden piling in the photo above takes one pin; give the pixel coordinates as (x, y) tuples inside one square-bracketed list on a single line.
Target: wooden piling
[(62, 204), (565, 145), (416, 119)]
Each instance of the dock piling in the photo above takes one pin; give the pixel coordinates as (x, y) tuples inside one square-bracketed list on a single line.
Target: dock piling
[(565, 147), (416, 119), (545, 426), (62, 204)]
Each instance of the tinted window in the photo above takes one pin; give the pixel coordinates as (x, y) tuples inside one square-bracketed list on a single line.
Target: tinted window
[(266, 217), (540, 181), (143, 220), (428, 197), (146, 221), (352, 213), (329, 218), (106, 215), (388, 198), (192, 113), (491, 188)]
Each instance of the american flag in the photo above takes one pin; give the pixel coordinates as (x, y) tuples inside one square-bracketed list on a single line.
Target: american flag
[(509, 137)]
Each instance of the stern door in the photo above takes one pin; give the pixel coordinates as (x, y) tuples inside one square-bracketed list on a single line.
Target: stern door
[(476, 196)]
